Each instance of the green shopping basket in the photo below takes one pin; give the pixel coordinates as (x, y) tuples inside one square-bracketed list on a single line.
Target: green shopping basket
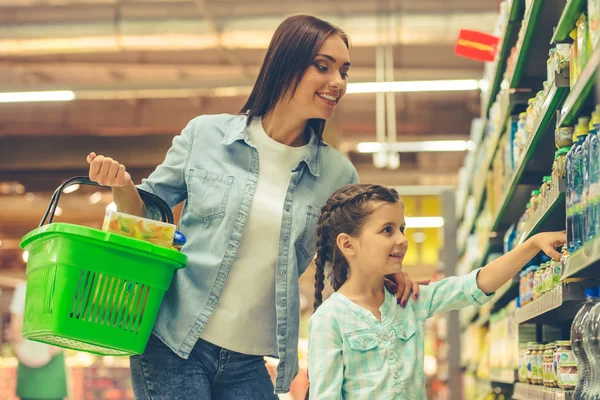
[(91, 290)]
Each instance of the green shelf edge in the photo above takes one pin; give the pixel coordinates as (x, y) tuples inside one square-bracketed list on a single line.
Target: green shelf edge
[(515, 15), (532, 21), (568, 18), (550, 105)]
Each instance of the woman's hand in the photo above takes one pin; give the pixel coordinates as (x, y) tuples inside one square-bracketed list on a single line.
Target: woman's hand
[(108, 172), (403, 286)]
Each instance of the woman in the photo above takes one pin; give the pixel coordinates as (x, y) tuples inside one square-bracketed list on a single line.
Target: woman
[(253, 185)]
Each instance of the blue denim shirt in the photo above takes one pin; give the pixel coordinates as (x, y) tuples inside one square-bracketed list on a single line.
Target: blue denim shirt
[(213, 166)]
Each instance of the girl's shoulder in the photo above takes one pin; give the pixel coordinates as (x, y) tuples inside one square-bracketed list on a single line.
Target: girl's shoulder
[(329, 309)]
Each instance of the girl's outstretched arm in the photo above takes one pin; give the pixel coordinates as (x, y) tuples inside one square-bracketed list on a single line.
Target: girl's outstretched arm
[(498, 272)]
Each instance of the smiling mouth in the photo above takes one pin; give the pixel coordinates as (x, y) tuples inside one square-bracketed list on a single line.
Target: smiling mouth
[(397, 255), (332, 100)]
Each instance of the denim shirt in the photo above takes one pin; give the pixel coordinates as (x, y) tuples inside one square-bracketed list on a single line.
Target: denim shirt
[(213, 167)]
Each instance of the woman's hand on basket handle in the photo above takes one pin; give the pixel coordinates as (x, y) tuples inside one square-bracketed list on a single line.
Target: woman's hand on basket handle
[(109, 172)]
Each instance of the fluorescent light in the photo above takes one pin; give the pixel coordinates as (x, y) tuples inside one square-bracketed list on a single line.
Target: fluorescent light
[(414, 147), (71, 189), (424, 222), (414, 86), (19, 97), (95, 198), (25, 256), (58, 212)]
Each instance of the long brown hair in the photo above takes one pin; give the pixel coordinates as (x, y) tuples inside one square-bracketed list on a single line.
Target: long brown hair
[(293, 48), (346, 211)]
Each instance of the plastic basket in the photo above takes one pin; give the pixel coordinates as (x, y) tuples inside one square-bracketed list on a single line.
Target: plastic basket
[(91, 290)]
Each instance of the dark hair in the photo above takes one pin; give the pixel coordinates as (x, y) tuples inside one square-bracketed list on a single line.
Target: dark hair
[(293, 47), (346, 211)]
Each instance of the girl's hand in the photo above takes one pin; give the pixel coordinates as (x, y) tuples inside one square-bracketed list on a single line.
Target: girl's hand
[(403, 286), (549, 241), (107, 172)]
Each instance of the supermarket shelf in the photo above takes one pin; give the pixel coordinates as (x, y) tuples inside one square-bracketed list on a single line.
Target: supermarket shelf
[(468, 316), (508, 40), (531, 18), (585, 262), (505, 295), (572, 11), (524, 391), (505, 376), (550, 218), (580, 93), (559, 305), (541, 125)]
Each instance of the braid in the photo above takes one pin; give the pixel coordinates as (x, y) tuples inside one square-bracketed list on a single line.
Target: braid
[(320, 263)]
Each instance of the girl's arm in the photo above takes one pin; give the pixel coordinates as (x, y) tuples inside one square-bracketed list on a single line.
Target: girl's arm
[(498, 272), (457, 292), (325, 363)]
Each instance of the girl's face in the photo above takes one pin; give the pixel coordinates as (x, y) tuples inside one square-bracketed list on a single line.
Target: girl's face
[(382, 245), (324, 82)]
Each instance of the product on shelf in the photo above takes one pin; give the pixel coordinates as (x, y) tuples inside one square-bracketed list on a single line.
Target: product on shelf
[(591, 345), (591, 179), (574, 166), (563, 136), (577, 333), (567, 375), (549, 374), (593, 12)]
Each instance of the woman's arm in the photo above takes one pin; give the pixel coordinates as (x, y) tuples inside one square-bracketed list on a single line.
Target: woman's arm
[(498, 272), (325, 363)]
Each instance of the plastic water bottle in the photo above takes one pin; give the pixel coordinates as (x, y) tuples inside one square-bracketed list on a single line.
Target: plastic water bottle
[(592, 211), (575, 186), (578, 333), (591, 345)]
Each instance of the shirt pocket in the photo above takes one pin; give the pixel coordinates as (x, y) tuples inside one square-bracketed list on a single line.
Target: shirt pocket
[(405, 331), (208, 193), (308, 239), (363, 341)]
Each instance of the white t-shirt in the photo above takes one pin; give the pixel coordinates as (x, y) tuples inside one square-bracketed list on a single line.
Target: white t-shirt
[(244, 319)]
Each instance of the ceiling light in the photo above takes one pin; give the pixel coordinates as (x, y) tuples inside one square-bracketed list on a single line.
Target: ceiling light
[(25, 256), (20, 97), (424, 222), (414, 86), (95, 198), (414, 147), (58, 212), (71, 189)]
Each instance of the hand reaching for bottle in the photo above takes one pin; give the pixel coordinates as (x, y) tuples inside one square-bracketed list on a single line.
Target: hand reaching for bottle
[(108, 172)]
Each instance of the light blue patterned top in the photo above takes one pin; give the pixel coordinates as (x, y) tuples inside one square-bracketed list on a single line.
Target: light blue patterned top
[(351, 355)]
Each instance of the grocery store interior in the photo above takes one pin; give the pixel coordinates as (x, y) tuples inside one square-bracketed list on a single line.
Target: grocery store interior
[(482, 114)]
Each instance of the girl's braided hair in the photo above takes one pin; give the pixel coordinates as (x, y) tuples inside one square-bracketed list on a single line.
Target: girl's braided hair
[(346, 211)]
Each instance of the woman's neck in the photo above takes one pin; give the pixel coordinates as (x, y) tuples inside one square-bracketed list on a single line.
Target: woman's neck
[(280, 125)]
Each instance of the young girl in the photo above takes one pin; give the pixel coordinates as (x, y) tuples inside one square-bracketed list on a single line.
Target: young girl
[(360, 344)]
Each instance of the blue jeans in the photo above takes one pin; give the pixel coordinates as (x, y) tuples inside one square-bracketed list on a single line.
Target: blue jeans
[(210, 372)]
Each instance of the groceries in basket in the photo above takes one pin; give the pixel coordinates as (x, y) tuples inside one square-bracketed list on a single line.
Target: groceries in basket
[(155, 232)]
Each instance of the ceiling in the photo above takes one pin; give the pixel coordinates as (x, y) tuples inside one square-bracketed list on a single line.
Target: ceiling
[(143, 68)]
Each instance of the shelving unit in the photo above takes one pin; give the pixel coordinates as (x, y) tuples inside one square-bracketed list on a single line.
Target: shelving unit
[(524, 391), (548, 318)]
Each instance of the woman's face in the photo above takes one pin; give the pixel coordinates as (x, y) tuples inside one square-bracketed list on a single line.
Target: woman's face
[(324, 82)]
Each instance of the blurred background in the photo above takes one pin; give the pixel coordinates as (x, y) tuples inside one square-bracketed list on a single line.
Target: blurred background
[(123, 77)]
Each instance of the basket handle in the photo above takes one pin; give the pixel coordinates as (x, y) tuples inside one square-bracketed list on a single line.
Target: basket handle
[(147, 197)]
